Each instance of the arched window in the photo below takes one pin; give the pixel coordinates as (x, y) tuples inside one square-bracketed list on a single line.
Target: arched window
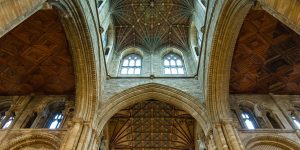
[(295, 118), (56, 120), (248, 119), (173, 64), (131, 64), (8, 122), (56, 116)]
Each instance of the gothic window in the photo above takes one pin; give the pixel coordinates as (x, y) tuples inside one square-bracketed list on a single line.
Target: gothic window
[(8, 122), (131, 65), (56, 120), (248, 119), (55, 117), (296, 121), (273, 121), (173, 64)]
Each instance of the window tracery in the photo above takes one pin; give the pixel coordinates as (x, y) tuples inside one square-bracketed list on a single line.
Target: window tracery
[(131, 65), (173, 64)]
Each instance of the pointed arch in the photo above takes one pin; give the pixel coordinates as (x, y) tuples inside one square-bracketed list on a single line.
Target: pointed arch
[(158, 92)]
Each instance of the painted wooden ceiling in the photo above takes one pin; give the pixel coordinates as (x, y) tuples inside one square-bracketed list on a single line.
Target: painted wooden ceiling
[(35, 58), (151, 125), (266, 57), (152, 24)]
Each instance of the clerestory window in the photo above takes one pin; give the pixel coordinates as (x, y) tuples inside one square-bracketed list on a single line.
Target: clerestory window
[(56, 120), (131, 65), (173, 64), (248, 119)]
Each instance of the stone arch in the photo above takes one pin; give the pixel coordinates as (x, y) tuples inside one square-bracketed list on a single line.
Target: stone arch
[(84, 57), (158, 92), (129, 50), (50, 141), (275, 141), (221, 51)]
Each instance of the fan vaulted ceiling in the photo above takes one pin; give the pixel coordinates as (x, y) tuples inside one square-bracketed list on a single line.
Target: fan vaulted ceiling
[(152, 24)]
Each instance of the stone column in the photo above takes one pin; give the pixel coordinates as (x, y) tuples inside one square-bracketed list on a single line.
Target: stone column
[(232, 138), (226, 137), (72, 137), (219, 137)]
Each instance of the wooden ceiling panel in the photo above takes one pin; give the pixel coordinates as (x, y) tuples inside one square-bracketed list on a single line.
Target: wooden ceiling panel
[(151, 125), (266, 57), (35, 58)]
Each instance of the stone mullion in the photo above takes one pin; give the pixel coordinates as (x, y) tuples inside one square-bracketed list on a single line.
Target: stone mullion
[(72, 137), (18, 110), (37, 119)]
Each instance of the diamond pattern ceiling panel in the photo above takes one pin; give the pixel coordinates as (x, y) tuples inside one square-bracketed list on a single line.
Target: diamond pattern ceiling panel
[(152, 24), (151, 125), (34, 58), (266, 57)]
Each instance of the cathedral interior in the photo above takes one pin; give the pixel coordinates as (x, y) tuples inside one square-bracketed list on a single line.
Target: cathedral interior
[(149, 75)]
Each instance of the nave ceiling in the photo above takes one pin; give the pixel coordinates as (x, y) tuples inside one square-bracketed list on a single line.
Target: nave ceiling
[(152, 24), (35, 57), (266, 57)]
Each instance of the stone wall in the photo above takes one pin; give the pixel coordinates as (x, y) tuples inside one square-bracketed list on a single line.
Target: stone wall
[(278, 105), (188, 85), (23, 107)]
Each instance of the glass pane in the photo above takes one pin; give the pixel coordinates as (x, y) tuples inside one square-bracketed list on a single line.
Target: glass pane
[(137, 71), (249, 124), (180, 71), (179, 63), (138, 62), (53, 125), (130, 70), (125, 63), (124, 71), (7, 124), (166, 63), (297, 123), (174, 71), (131, 63), (167, 71), (173, 63), (56, 116)]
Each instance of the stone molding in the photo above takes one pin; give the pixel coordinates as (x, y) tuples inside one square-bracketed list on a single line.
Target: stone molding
[(158, 92), (33, 138), (228, 22), (85, 57), (275, 140)]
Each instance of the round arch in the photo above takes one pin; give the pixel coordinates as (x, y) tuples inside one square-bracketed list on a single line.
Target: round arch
[(84, 57), (48, 140), (158, 92), (275, 141), (221, 51)]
